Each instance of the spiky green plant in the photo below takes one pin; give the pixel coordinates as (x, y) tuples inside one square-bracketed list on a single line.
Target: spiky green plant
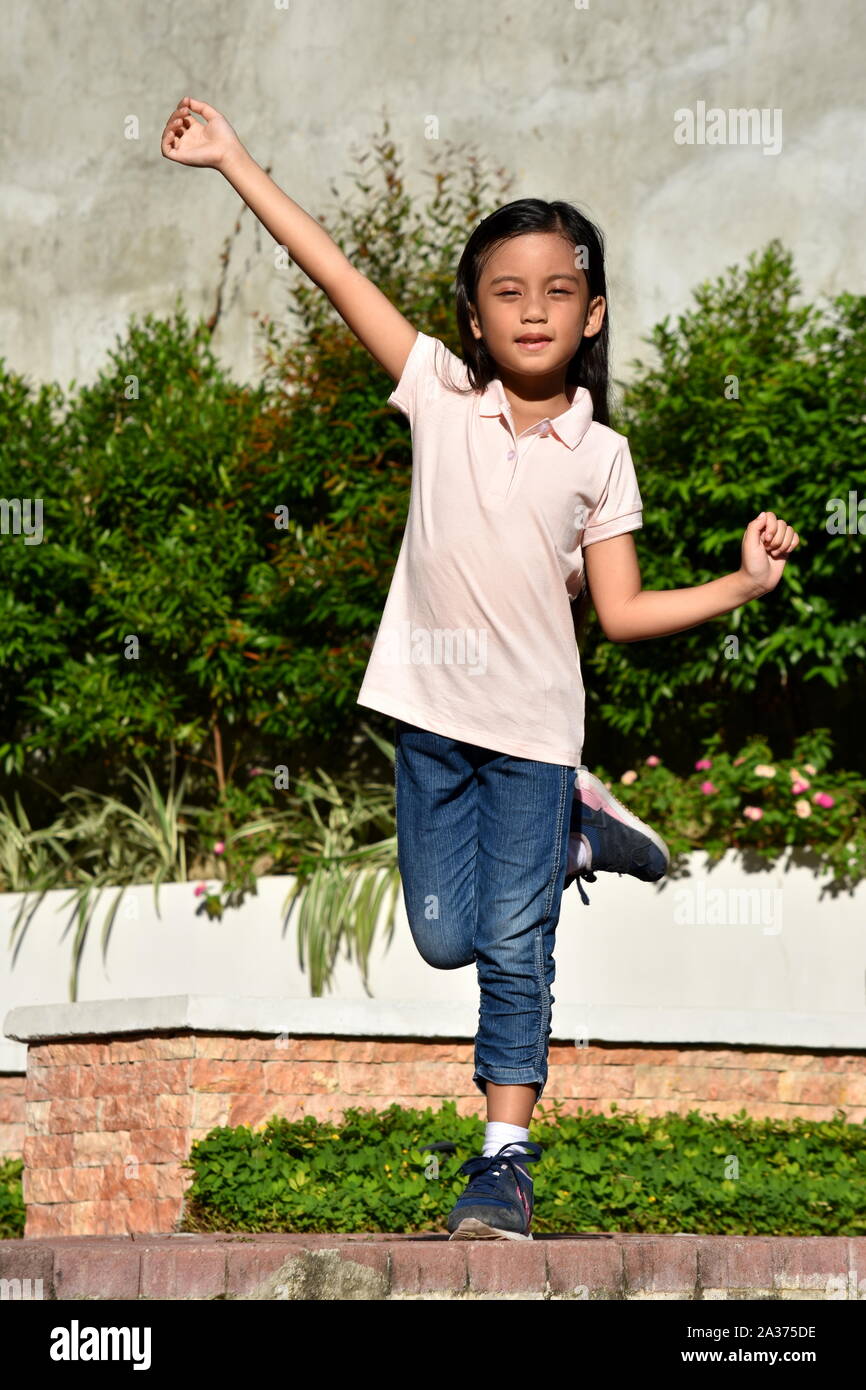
[(95, 842), (342, 883)]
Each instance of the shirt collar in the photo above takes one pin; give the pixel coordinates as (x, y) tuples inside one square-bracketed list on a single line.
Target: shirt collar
[(570, 426)]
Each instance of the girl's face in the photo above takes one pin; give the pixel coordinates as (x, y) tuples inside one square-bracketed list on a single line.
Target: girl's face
[(533, 286)]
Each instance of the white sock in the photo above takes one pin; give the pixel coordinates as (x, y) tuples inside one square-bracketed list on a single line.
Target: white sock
[(497, 1134), (576, 854)]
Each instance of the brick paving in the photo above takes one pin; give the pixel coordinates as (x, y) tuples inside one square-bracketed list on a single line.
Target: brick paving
[(381, 1266)]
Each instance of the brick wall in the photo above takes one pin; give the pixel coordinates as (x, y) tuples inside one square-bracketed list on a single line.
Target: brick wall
[(12, 1114), (109, 1122)]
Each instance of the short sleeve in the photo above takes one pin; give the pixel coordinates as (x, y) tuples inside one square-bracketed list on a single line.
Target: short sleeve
[(415, 372), (423, 380), (619, 508)]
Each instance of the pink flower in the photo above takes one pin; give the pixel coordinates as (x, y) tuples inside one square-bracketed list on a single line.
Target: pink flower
[(764, 770), (737, 761), (800, 786), (824, 799), (219, 847), (802, 808), (200, 888), (653, 761), (707, 788), (628, 777), (753, 812), (703, 764), (257, 771), (810, 769)]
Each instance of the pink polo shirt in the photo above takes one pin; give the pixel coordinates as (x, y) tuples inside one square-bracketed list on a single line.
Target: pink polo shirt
[(476, 639)]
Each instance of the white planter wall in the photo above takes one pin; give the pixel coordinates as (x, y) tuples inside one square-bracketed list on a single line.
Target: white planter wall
[(721, 956)]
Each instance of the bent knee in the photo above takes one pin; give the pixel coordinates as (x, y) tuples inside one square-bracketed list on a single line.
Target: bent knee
[(448, 962), (440, 953)]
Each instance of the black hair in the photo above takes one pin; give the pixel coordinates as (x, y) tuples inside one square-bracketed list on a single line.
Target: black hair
[(589, 366)]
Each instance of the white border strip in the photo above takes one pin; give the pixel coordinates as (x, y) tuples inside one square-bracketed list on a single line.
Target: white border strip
[(416, 1019)]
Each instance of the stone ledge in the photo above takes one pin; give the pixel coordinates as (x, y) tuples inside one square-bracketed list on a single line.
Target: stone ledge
[(319, 1267), (434, 1019)]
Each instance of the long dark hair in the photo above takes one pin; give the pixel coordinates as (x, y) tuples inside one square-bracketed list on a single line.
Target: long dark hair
[(589, 366)]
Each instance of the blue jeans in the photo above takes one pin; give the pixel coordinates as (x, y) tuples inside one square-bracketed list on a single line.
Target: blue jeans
[(482, 840)]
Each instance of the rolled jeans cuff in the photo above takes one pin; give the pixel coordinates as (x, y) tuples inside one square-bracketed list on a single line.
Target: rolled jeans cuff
[(513, 1077)]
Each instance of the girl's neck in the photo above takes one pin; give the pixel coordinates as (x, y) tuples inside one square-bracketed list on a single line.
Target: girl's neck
[(540, 399)]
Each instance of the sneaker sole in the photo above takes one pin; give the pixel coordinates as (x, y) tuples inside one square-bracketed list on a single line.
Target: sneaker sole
[(600, 798), (473, 1229)]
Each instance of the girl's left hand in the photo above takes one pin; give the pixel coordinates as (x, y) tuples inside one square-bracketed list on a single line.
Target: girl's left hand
[(766, 545)]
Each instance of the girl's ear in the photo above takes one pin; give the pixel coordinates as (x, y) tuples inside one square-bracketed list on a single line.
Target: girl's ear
[(595, 316)]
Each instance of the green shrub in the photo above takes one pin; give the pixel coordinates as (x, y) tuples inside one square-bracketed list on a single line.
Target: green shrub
[(790, 441), (156, 527), (617, 1172), (11, 1199)]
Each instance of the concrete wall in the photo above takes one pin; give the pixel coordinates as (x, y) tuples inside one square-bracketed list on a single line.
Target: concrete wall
[(721, 955), (577, 102)]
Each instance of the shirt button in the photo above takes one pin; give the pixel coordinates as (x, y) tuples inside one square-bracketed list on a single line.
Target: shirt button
[(511, 454), (545, 428)]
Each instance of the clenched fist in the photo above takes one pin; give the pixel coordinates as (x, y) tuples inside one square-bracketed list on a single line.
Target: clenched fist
[(766, 546)]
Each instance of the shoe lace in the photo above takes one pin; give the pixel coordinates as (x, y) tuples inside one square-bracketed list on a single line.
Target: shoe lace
[(486, 1171), (590, 878)]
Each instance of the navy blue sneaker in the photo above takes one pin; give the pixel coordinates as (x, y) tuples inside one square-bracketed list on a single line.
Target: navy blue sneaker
[(618, 842), (498, 1202)]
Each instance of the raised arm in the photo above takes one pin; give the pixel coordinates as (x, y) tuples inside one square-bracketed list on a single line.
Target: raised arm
[(386, 333), (628, 613)]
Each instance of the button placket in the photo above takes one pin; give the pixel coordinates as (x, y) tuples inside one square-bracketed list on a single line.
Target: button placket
[(500, 484), (514, 456), (541, 430)]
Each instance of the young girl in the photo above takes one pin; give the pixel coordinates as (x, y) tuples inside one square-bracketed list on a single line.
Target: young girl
[(521, 494)]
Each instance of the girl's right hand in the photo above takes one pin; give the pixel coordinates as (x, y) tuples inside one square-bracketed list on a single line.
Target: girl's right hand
[(186, 141)]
